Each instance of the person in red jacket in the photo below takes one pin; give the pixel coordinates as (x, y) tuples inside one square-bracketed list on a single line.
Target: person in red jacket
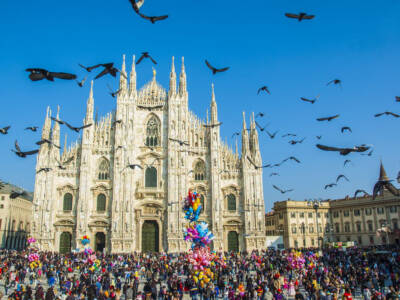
[(347, 295)]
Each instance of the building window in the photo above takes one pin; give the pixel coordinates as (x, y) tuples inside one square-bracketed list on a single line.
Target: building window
[(380, 210), (370, 226), (294, 228), (293, 215), (3, 197), (393, 209), (296, 244), (359, 240), (101, 203), (301, 215), (356, 212), (311, 229), (67, 202), (202, 202), (348, 239), (153, 132), (199, 171), (231, 198), (104, 169), (368, 211), (371, 240), (319, 227), (1, 205), (310, 215), (358, 226), (327, 228), (337, 228), (304, 243), (280, 216), (326, 215), (151, 177), (395, 224), (346, 213), (312, 242), (347, 227), (302, 229), (336, 214), (318, 215)]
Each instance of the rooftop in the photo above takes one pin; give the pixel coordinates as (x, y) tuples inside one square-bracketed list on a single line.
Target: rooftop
[(8, 188)]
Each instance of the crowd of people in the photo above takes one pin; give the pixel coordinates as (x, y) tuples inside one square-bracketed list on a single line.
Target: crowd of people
[(265, 274)]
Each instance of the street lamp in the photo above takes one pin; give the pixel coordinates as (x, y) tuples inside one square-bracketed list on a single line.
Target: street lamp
[(316, 203)]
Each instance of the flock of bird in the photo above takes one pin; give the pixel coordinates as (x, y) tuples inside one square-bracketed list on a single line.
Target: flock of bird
[(38, 74)]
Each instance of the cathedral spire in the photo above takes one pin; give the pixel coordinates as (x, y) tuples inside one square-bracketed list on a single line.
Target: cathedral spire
[(132, 79), (172, 79), (90, 106), (55, 137), (47, 125), (382, 174), (182, 79), (123, 82), (65, 145), (245, 138), (214, 110)]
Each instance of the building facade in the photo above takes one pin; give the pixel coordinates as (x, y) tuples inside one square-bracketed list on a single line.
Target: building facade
[(362, 220), (15, 217), (123, 209)]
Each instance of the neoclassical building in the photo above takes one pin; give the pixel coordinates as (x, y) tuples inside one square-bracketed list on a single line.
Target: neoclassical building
[(123, 209)]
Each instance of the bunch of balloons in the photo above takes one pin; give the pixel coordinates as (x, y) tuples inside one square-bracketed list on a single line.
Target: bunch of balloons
[(200, 256), (198, 234), (85, 240), (296, 260), (192, 206), (33, 257)]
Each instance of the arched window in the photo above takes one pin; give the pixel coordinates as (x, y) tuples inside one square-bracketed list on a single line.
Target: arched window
[(231, 202), (202, 202), (104, 170), (67, 203), (151, 177), (101, 203), (153, 132), (199, 171)]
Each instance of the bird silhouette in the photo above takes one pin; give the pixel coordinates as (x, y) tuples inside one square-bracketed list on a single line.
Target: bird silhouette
[(294, 142), (235, 134), (180, 142), (37, 74), (82, 82), (14, 195), (273, 174), (330, 185), (215, 70), (4, 130), (260, 114), (136, 5), (272, 136), (259, 126), (114, 123), (345, 128), (360, 191), (291, 158), (289, 134), (46, 141), (335, 81), (145, 55), (149, 108), (263, 89), (153, 19), (32, 128), (300, 16), (255, 166), (22, 154), (312, 101), (369, 153), (388, 113), (112, 93), (61, 165), (108, 69), (341, 176), (328, 118), (346, 162), (318, 137), (76, 129), (281, 190), (44, 170), (344, 151), (133, 166)]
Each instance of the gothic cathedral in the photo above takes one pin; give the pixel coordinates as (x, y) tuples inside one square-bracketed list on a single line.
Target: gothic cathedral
[(92, 191)]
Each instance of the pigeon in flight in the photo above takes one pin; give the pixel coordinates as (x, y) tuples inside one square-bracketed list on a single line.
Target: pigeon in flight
[(146, 55), (360, 191), (272, 136), (312, 101), (335, 81), (330, 185), (345, 128), (82, 82), (300, 16), (44, 170), (260, 114), (32, 128), (255, 166), (215, 70), (23, 154), (263, 89), (212, 125), (328, 118), (388, 113), (153, 19), (281, 190), (37, 74), (344, 151), (181, 143), (341, 176), (4, 130)]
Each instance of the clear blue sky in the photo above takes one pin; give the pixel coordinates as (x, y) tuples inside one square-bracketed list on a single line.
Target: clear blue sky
[(356, 41)]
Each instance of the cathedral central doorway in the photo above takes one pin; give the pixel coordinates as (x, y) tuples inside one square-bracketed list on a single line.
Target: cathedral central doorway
[(233, 241), (65, 242), (100, 241), (150, 236)]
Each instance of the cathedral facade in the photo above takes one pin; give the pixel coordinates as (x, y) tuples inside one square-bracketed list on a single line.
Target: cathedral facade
[(91, 191)]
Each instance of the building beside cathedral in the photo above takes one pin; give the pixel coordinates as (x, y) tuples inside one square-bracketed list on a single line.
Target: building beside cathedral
[(123, 209)]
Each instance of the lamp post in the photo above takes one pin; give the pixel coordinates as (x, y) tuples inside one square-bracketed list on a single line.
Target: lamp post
[(316, 203)]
